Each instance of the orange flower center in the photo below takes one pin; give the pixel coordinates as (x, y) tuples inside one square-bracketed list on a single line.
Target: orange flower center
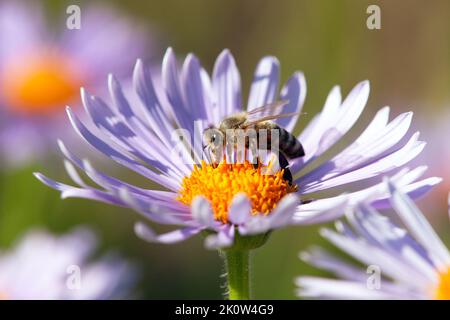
[(41, 84), (443, 289), (220, 183)]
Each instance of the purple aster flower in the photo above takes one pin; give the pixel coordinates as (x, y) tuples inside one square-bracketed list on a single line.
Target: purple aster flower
[(234, 203), (140, 136), (409, 262), (41, 70), (45, 266)]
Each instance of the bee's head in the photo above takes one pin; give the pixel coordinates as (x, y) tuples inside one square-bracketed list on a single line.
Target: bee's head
[(213, 137)]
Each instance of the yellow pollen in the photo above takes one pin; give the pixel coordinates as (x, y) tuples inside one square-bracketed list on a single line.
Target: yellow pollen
[(443, 289), (220, 183), (41, 84)]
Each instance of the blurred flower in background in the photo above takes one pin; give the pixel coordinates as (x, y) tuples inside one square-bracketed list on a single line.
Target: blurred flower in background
[(43, 65), (46, 266), (406, 61), (412, 263), (218, 198)]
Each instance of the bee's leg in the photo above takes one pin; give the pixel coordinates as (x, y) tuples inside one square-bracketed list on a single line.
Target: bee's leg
[(213, 158), (284, 163)]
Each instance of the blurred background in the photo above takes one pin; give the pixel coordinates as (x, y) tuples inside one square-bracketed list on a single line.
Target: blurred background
[(407, 62)]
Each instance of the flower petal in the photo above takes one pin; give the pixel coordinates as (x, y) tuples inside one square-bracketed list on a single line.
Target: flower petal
[(448, 204), (223, 239), (295, 92), (320, 288), (110, 183), (265, 83), (281, 216), (158, 212), (334, 173), (227, 85), (371, 255), (334, 121), (122, 135), (240, 209), (321, 210), (144, 232), (202, 212), (118, 156), (22, 27), (380, 232), (193, 89), (413, 190), (323, 260), (172, 86)]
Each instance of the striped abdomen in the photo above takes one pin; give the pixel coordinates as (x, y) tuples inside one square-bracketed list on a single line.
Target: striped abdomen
[(289, 144)]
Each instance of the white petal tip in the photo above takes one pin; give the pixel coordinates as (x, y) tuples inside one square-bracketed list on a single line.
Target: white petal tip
[(304, 256)]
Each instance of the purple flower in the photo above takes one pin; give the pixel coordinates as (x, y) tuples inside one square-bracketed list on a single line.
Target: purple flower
[(41, 70), (232, 199), (402, 263), (48, 267)]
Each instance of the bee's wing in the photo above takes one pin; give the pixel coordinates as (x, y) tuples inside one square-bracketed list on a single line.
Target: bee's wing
[(266, 110), (269, 117)]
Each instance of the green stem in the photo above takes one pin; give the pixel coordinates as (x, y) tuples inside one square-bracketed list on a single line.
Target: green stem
[(238, 273)]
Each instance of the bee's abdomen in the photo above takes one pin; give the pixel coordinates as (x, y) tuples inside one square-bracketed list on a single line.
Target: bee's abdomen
[(289, 144)]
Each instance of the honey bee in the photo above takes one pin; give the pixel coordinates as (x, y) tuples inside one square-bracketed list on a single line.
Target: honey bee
[(258, 120)]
